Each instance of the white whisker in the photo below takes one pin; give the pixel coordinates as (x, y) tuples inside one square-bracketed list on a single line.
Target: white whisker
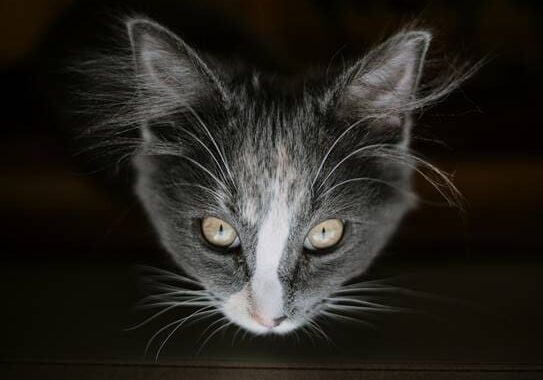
[(214, 142), (214, 193), (180, 322), (162, 149), (354, 152), (336, 141), (173, 289), (206, 148), (207, 313), (174, 295), (235, 335), (366, 179), (174, 276), (359, 302), (360, 308), (210, 326), (188, 303), (164, 311), (308, 332), (347, 318), (320, 331), (441, 183), (365, 290), (225, 325)]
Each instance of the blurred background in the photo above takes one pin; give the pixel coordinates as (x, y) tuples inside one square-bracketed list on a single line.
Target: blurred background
[(63, 219)]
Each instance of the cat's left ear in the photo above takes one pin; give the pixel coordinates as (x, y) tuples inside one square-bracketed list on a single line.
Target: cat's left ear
[(385, 81), (167, 67)]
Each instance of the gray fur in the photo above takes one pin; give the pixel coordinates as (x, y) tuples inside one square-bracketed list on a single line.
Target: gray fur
[(215, 141)]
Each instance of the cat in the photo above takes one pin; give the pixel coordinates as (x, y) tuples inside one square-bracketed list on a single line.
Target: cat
[(269, 193)]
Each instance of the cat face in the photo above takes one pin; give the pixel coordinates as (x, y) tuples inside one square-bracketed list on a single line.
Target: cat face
[(272, 195)]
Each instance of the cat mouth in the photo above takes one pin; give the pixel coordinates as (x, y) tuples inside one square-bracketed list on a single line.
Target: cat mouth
[(281, 325), (284, 327), (241, 310), (255, 323)]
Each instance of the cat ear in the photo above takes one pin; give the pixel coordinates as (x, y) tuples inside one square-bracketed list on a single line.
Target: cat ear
[(167, 66), (385, 81)]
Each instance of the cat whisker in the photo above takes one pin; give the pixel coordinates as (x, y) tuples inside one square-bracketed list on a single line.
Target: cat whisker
[(225, 325), (188, 303), (440, 182), (340, 307), (166, 288), (335, 300), (214, 142), (403, 291), (175, 295), (334, 315), (173, 332), (235, 335), (354, 152), (210, 326), (206, 148), (388, 290), (246, 332), (366, 179), (295, 333), (391, 309), (214, 193), (319, 330), (365, 290), (380, 281), (170, 306), (170, 289), (308, 332), (336, 141), (153, 317), (175, 276), (178, 323), (164, 150)]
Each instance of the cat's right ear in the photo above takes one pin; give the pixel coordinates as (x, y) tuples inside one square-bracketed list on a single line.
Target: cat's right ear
[(167, 67)]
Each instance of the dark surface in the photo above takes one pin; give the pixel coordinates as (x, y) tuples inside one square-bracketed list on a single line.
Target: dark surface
[(121, 371)]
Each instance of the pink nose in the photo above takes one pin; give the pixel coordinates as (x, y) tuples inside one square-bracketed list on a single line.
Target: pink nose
[(267, 322)]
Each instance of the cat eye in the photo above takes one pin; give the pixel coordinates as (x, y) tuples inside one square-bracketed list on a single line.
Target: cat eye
[(219, 233), (324, 235)]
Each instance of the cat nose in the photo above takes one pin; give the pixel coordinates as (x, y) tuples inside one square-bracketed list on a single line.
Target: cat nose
[(269, 323)]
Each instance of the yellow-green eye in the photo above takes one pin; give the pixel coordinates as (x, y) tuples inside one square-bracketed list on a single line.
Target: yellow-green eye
[(324, 235), (219, 233)]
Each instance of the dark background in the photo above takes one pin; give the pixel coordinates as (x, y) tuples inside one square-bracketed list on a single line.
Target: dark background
[(67, 225)]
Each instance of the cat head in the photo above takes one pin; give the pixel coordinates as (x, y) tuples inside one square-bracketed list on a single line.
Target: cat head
[(273, 194)]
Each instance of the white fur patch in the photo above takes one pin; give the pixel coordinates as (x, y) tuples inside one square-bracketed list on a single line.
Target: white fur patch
[(267, 292), (261, 300), (236, 308)]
